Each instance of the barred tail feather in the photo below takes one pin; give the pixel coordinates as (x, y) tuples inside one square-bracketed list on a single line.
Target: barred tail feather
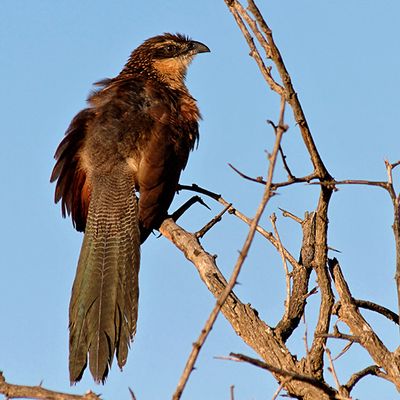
[(104, 301)]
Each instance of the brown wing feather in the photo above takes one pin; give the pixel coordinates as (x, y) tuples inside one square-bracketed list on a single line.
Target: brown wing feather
[(158, 179), (163, 159), (72, 186)]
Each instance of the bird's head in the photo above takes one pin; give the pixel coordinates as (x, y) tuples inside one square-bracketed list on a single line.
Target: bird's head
[(167, 56)]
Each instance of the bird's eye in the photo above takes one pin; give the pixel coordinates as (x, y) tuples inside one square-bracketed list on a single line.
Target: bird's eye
[(166, 51)]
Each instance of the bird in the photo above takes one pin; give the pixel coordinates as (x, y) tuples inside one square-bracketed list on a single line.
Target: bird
[(117, 170)]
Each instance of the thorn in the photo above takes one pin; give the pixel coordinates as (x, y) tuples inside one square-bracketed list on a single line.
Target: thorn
[(333, 249)]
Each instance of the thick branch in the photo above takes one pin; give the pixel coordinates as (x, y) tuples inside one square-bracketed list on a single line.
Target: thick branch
[(37, 392), (349, 313), (301, 275), (243, 318), (315, 359)]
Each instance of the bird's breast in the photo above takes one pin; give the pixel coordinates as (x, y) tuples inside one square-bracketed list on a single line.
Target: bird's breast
[(188, 109)]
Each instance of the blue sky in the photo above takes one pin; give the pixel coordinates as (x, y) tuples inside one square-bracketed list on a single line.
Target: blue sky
[(344, 61)]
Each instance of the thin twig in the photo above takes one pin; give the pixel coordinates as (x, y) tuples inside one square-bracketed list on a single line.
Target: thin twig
[(373, 370), (343, 351), (236, 270), (339, 335), (291, 181), (369, 305), (285, 164), (331, 368), (304, 378), (280, 387), (133, 397), (395, 164), (267, 42), (259, 179), (199, 234), (332, 183), (233, 210), (389, 172), (305, 337), (290, 215), (265, 71)]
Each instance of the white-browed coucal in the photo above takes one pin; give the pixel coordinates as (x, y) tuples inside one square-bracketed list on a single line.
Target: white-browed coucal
[(134, 137)]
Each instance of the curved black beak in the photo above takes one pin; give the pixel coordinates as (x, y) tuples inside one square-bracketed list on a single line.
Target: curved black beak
[(199, 47)]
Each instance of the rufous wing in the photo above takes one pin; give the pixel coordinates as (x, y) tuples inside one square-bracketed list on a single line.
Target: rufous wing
[(72, 187)]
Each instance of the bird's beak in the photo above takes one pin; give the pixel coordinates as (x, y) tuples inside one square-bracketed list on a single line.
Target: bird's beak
[(200, 47)]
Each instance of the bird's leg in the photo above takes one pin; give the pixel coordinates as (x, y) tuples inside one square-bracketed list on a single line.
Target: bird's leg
[(184, 207)]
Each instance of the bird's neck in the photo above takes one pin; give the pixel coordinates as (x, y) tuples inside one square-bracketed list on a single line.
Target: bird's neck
[(171, 72)]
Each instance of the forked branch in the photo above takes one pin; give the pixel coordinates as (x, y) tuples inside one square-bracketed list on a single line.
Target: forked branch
[(239, 263)]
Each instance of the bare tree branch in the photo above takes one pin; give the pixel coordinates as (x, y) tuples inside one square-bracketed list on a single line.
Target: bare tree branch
[(316, 360), (355, 378), (300, 276), (349, 313), (396, 223), (280, 387), (264, 36), (331, 368), (339, 335), (243, 318), (265, 71), (133, 397), (303, 378), (38, 392), (232, 390), (369, 305), (211, 223), (292, 179), (285, 267), (236, 270), (234, 211)]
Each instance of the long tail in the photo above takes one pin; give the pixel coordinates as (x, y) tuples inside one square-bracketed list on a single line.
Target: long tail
[(104, 302)]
